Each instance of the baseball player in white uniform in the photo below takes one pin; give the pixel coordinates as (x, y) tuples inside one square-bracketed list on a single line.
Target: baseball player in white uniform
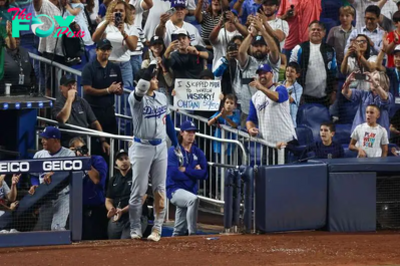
[(148, 153)]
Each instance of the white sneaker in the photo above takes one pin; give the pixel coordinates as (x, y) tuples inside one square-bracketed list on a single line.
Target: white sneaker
[(4, 232), (14, 231), (155, 236), (135, 236)]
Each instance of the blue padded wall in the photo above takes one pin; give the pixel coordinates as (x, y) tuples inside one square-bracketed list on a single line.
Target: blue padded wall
[(291, 197), (352, 202)]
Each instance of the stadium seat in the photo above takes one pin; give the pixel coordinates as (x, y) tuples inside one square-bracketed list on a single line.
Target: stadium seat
[(343, 133), (312, 115)]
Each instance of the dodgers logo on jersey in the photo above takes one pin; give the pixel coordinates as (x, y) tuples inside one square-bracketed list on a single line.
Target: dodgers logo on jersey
[(157, 112)]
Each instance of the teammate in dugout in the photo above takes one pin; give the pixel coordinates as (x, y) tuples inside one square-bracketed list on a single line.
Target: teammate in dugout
[(182, 180), (53, 214), (148, 153)]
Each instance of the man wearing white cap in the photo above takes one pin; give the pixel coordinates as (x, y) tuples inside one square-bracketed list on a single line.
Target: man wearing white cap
[(167, 27)]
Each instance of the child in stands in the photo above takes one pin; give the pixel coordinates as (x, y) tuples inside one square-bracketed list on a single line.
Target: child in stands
[(228, 115), (327, 148), (294, 89), (370, 139)]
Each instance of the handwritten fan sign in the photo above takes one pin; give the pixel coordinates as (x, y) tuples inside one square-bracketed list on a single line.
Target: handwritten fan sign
[(197, 94)]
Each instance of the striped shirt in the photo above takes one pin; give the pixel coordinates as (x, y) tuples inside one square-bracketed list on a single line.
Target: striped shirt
[(207, 25), (48, 44), (140, 43)]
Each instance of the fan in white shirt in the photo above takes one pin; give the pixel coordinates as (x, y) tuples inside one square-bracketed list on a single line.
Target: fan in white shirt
[(370, 139), (158, 9), (169, 25), (220, 37), (277, 27), (140, 6)]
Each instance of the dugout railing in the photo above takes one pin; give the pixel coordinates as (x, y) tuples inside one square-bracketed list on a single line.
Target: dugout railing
[(257, 149), (90, 134)]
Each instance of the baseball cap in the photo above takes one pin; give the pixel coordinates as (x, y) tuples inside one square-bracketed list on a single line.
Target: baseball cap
[(178, 3), (51, 133), (120, 153), (188, 126), (181, 32), (258, 40), (67, 79), (271, 2), (103, 44), (234, 11), (264, 68), (396, 49), (156, 40), (206, 73)]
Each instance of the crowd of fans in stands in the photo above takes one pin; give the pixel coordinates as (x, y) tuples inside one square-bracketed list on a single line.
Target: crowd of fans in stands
[(273, 57)]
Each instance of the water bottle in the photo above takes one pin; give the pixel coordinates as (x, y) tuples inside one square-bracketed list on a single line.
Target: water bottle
[(117, 216), (8, 89)]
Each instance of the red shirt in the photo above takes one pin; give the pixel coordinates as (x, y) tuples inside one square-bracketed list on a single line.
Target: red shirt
[(390, 61), (306, 11)]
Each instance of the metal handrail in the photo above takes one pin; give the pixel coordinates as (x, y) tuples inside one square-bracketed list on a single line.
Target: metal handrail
[(53, 63)]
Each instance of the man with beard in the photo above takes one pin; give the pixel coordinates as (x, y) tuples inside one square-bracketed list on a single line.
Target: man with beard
[(101, 80), (278, 28), (269, 109), (318, 63), (264, 50)]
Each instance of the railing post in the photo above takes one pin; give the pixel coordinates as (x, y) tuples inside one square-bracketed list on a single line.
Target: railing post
[(111, 162)]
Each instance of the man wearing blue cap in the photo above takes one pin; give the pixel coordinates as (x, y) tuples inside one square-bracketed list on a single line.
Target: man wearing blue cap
[(269, 109), (182, 178), (53, 213), (168, 26), (163, 10)]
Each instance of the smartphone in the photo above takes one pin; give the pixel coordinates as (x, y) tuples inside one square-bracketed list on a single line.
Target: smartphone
[(360, 76), (171, 11), (117, 18), (174, 37)]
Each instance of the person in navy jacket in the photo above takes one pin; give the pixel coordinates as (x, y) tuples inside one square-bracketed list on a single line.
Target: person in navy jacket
[(182, 180)]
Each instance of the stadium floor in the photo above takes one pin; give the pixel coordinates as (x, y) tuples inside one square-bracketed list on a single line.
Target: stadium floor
[(306, 248)]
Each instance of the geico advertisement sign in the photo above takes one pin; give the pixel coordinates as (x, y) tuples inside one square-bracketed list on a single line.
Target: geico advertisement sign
[(20, 167)]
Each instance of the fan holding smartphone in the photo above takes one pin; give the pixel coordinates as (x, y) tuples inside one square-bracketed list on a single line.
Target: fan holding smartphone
[(118, 28), (358, 58)]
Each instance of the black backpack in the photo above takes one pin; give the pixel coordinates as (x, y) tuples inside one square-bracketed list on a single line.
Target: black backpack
[(73, 48)]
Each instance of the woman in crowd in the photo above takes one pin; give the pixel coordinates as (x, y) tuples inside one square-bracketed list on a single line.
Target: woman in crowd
[(182, 179), (118, 28), (358, 58), (155, 54), (378, 94), (208, 18)]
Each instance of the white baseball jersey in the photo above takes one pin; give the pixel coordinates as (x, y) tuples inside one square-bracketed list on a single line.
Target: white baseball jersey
[(274, 120), (149, 116)]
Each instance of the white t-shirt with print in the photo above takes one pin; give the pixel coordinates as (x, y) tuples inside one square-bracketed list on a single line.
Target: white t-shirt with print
[(370, 139), (120, 51)]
